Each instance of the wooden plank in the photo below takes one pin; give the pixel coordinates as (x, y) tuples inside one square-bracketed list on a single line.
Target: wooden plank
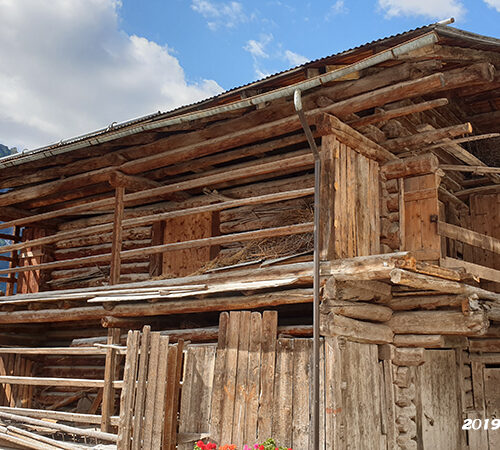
[(151, 390), (283, 392), (128, 391), (114, 277), (51, 381), (469, 237), (173, 393), (233, 331), (219, 378), (241, 391), (477, 270), (153, 219), (110, 367), (140, 395), (301, 383), (478, 439), (158, 412), (254, 378), (492, 400), (390, 407), (269, 331), (329, 149), (440, 409), (211, 241)]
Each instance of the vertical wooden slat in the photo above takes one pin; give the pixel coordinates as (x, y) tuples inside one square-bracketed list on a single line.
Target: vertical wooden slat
[(254, 359), (141, 388), (350, 205), (154, 355), (16, 388), (188, 410), (218, 383), (230, 378), (241, 393), (3, 372), (10, 288), (283, 392), (157, 238), (329, 145), (269, 332), (390, 410), (108, 393), (478, 439), (159, 403), (128, 391), (116, 246), (302, 374)]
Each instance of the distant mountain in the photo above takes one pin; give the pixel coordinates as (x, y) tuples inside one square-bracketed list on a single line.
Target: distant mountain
[(5, 151)]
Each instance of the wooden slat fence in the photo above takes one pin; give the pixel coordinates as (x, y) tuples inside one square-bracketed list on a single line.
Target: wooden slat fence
[(255, 384)]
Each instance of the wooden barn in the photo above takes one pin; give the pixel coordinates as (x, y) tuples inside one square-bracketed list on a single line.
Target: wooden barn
[(313, 257)]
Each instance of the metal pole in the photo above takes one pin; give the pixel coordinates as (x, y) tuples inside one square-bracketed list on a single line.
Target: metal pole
[(316, 273)]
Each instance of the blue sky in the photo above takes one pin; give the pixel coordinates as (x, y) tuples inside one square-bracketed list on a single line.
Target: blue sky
[(74, 66)]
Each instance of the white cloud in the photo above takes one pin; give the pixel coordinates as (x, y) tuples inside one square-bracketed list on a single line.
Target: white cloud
[(67, 69), (258, 50), (294, 58), (337, 8), (434, 9), (227, 14), (494, 4)]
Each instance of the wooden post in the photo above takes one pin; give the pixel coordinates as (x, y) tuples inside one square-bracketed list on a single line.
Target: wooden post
[(108, 394), (328, 154), (116, 248), (11, 287)]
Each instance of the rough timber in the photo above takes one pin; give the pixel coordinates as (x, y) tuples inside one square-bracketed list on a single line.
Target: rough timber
[(193, 230)]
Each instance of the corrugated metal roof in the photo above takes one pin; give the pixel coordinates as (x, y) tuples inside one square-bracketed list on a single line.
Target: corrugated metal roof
[(203, 104)]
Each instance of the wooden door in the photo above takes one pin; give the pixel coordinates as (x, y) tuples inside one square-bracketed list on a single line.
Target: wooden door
[(492, 403), (439, 413)]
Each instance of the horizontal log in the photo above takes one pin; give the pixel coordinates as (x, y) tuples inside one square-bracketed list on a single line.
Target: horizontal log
[(357, 310), (418, 140), (54, 351), (196, 243), (397, 112), (482, 272), (58, 415), (60, 427), (409, 167), (47, 381), (358, 103), (153, 218), (417, 340), (356, 330), (427, 282), (469, 237), (491, 189), (328, 124), (475, 170), (439, 322), (32, 440), (429, 302), (182, 306), (371, 267), (356, 290)]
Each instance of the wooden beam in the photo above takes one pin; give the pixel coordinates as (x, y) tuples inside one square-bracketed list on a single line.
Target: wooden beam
[(130, 254), (356, 330), (285, 297), (439, 322), (417, 165), (48, 381), (155, 218), (132, 183), (469, 237), (426, 282), (491, 189), (418, 140), (116, 247), (93, 419), (397, 112), (477, 137), (328, 124), (473, 169), (482, 272), (110, 369)]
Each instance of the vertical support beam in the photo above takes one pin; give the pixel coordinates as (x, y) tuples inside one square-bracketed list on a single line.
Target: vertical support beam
[(116, 248), (328, 154), (11, 287), (108, 393)]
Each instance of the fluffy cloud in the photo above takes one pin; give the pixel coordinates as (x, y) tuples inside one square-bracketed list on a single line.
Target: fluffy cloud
[(494, 4), (67, 68), (294, 58), (434, 9), (227, 14)]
